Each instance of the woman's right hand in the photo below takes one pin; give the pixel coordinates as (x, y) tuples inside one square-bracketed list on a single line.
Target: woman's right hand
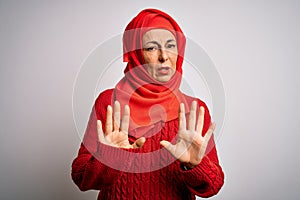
[(116, 129)]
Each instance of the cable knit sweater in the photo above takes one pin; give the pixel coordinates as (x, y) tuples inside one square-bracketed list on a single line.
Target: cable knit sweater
[(118, 174)]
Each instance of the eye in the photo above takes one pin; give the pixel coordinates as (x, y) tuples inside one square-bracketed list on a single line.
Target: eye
[(171, 46), (152, 48)]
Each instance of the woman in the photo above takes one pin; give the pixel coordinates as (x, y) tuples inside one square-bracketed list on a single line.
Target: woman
[(137, 145)]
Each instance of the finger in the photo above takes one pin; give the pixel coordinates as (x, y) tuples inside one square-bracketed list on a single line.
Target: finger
[(210, 131), (100, 132), (182, 120), (117, 115), (192, 117), (170, 147), (108, 124), (207, 137), (139, 142), (200, 120), (125, 119)]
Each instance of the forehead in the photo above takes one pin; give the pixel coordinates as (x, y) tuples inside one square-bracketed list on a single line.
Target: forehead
[(158, 35)]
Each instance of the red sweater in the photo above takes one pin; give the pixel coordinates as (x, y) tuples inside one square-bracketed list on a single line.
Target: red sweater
[(125, 182)]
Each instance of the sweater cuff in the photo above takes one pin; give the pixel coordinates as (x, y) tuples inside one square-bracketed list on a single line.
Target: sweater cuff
[(116, 158), (196, 176)]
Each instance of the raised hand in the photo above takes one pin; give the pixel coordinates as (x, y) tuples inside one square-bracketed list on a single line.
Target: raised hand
[(116, 129), (191, 145)]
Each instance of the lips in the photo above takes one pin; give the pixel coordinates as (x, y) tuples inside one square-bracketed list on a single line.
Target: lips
[(164, 70)]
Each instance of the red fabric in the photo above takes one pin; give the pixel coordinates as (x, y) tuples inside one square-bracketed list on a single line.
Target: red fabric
[(170, 182), (150, 101), (119, 176)]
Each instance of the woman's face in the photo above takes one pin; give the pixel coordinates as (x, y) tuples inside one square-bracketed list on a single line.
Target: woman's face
[(160, 54)]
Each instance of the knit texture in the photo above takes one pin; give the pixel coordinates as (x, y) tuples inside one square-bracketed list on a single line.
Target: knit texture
[(119, 175)]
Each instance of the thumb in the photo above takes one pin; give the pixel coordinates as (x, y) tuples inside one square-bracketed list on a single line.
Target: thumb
[(139, 142), (168, 146)]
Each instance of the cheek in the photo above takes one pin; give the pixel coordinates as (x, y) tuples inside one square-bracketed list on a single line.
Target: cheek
[(174, 60), (145, 56), (149, 58)]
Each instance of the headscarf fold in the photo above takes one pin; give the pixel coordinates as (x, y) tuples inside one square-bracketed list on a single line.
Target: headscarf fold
[(150, 101)]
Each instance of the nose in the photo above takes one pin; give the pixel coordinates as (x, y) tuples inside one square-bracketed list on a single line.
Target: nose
[(163, 55)]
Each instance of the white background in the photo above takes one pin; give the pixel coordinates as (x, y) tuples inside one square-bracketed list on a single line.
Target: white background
[(254, 45)]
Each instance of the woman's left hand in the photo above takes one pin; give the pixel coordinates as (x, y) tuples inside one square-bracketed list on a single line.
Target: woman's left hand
[(191, 145)]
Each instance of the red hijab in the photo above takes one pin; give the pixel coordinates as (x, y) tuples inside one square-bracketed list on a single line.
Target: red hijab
[(150, 101)]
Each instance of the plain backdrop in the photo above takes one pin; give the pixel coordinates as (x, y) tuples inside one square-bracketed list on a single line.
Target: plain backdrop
[(255, 48)]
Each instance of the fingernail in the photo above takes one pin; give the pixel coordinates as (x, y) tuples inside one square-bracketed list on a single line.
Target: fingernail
[(181, 106), (195, 103)]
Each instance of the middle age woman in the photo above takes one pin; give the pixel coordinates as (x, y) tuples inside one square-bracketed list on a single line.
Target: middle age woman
[(145, 139)]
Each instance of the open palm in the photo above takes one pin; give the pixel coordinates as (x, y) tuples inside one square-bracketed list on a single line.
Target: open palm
[(191, 145), (116, 129)]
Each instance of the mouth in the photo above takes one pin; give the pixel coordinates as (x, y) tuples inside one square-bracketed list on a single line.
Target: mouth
[(164, 70)]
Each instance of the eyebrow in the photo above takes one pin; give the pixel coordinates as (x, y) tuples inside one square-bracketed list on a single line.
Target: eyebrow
[(155, 42), (171, 40)]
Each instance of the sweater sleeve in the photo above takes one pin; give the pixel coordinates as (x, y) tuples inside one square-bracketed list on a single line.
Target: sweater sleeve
[(207, 178), (95, 166), (89, 173)]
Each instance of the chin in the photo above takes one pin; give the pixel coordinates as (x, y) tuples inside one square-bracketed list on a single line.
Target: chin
[(164, 80)]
